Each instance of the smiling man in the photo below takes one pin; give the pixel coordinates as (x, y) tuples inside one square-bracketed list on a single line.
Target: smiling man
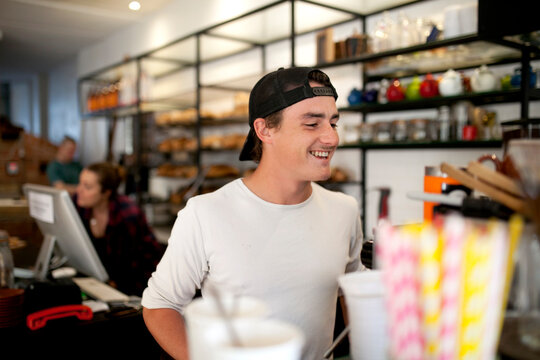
[(274, 234)]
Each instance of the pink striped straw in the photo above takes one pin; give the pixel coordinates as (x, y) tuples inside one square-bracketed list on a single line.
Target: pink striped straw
[(399, 264)]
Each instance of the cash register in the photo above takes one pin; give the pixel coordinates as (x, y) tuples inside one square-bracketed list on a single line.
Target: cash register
[(67, 272)]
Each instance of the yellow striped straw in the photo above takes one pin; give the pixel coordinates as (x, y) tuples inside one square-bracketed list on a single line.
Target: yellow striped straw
[(430, 288)]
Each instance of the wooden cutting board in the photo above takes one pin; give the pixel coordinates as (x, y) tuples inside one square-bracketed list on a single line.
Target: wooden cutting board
[(513, 202), (495, 178)]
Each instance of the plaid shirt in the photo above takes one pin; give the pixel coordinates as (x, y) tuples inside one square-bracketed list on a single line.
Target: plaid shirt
[(129, 250)]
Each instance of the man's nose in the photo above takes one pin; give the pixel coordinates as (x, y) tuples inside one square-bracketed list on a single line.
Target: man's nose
[(330, 136)]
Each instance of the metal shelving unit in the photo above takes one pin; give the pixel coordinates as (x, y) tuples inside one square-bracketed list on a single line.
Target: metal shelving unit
[(250, 34)]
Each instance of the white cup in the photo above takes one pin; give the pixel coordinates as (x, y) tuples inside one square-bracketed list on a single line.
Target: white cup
[(263, 340), (202, 314), (468, 19), (452, 24), (364, 295)]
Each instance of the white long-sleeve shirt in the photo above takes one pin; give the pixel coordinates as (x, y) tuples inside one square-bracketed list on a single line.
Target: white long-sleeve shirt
[(289, 256)]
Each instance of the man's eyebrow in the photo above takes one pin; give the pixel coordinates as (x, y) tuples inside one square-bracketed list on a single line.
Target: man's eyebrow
[(309, 114)]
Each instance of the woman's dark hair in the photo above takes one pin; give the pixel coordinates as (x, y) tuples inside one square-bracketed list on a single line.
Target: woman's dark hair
[(109, 176)]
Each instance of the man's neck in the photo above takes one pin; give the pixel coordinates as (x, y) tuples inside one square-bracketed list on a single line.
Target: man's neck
[(276, 189)]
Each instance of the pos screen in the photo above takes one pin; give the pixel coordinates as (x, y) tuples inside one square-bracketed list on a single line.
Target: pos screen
[(65, 238)]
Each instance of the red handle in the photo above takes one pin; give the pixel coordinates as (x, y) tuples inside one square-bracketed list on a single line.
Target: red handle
[(39, 319)]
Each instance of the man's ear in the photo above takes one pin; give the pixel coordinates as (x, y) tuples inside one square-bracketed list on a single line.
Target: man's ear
[(263, 132)]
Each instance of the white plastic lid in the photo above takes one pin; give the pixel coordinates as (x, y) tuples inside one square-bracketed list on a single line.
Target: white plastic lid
[(362, 283)]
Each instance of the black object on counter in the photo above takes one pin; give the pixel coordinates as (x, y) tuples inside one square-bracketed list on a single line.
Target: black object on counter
[(482, 208), (41, 295), (366, 255)]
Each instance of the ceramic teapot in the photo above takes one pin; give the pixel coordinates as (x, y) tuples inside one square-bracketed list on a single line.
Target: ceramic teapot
[(370, 94), (355, 97), (450, 84), (515, 80), (413, 89), (429, 87), (506, 82), (395, 91), (466, 81), (483, 80)]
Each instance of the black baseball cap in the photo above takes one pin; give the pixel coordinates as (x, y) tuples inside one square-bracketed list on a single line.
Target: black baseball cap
[(280, 89)]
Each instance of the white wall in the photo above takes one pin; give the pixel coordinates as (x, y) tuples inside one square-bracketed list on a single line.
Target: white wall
[(178, 19), (63, 112), (25, 106)]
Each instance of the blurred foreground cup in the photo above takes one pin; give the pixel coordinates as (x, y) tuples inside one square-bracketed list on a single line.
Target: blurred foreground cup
[(364, 295), (525, 156), (528, 289), (203, 314), (264, 340)]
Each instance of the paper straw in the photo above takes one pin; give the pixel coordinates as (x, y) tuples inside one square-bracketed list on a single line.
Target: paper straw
[(385, 252), (453, 239), (477, 266), (400, 262), (444, 295), (515, 229), (498, 233), (430, 293)]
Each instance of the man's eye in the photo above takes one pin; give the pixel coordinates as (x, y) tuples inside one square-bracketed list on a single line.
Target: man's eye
[(335, 126), (311, 125)]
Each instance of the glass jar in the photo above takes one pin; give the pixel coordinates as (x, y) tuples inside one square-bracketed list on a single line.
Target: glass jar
[(444, 123), (383, 131), (365, 132), (7, 279), (418, 130), (399, 130), (432, 130), (351, 134)]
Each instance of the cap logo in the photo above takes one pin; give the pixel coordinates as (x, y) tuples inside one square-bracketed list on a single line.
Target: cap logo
[(323, 91)]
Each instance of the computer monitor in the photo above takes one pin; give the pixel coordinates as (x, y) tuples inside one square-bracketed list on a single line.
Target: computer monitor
[(65, 236)]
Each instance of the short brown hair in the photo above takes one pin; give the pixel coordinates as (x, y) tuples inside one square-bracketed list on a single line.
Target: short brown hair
[(109, 176), (272, 121)]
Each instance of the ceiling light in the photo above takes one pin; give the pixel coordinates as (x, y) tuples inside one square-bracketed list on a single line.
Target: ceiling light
[(134, 5)]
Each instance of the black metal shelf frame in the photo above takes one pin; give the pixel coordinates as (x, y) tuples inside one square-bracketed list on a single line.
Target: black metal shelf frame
[(424, 145), (523, 95)]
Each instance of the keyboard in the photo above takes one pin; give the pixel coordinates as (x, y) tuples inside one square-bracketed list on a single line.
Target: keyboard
[(99, 290)]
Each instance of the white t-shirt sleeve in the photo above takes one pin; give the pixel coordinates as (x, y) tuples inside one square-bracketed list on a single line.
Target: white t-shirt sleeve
[(183, 267), (355, 246)]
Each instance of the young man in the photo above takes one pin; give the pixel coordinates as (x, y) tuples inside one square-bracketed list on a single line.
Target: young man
[(275, 234), (63, 172)]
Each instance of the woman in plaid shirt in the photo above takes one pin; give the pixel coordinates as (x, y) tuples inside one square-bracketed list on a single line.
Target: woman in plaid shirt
[(118, 228)]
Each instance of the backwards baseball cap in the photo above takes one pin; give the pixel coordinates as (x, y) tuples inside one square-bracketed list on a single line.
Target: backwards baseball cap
[(280, 89)]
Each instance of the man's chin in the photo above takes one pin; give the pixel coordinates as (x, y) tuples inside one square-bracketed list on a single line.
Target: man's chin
[(322, 177)]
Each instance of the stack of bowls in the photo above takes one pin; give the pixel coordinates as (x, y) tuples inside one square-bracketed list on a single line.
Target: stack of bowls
[(11, 307)]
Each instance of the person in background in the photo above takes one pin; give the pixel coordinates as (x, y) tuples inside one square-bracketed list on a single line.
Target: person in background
[(275, 234), (63, 172), (117, 227)]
